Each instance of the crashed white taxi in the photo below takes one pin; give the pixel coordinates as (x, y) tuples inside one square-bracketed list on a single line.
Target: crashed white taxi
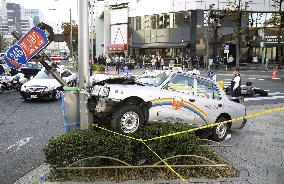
[(167, 97)]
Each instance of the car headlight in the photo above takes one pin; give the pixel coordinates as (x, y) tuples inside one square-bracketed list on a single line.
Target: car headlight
[(102, 91), (24, 88)]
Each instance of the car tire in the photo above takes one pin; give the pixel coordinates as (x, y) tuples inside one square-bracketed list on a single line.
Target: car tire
[(26, 100), (57, 95), (127, 119), (1, 90), (219, 133)]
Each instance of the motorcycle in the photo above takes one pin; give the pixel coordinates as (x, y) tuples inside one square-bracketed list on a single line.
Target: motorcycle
[(248, 90), (8, 83), (5, 84)]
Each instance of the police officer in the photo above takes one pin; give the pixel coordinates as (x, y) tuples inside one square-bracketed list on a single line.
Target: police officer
[(236, 83)]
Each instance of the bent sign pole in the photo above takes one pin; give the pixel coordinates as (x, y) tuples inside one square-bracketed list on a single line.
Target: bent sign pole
[(83, 60), (28, 47)]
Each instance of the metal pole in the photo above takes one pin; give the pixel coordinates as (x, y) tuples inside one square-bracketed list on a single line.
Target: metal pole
[(83, 60), (71, 35), (280, 33), (92, 32)]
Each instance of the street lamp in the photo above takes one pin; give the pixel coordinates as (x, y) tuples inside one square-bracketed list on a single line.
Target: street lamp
[(71, 31), (182, 45)]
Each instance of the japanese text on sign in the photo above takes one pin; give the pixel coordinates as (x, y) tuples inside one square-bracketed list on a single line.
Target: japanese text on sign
[(32, 43)]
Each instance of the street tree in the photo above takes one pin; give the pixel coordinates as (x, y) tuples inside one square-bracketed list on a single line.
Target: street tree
[(3, 43), (237, 11), (66, 35), (277, 19)]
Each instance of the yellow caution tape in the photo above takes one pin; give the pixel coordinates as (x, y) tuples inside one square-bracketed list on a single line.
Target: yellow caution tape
[(183, 132), (176, 173), (216, 124)]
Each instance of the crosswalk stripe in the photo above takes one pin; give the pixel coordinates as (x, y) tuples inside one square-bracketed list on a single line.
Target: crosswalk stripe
[(263, 98), (275, 93)]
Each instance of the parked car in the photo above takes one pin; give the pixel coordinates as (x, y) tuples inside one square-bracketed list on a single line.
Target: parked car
[(56, 58), (31, 69), (2, 58), (179, 97), (44, 86)]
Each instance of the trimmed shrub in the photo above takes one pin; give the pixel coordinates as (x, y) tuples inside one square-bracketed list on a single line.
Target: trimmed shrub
[(68, 148), (98, 68)]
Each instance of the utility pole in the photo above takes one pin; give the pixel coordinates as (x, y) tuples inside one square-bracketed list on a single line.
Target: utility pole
[(92, 30), (83, 60), (238, 34), (71, 35), (280, 52), (208, 37)]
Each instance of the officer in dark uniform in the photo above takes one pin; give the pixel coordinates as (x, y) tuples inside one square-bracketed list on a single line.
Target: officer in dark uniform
[(236, 83)]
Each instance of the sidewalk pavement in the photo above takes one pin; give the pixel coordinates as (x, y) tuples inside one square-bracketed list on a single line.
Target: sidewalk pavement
[(258, 151)]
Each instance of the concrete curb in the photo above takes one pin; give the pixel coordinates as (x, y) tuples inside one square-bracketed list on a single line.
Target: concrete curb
[(33, 177)]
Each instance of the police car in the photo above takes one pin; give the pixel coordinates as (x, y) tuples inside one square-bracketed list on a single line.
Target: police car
[(175, 97)]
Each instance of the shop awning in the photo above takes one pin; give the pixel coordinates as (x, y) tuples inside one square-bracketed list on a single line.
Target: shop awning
[(117, 47), (160, 45)]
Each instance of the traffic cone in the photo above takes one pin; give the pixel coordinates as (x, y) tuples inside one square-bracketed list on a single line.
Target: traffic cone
[(274, 74)]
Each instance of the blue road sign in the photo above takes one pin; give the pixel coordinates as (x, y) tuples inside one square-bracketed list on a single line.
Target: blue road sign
[(226, 47), (31, 44), (15, 57)]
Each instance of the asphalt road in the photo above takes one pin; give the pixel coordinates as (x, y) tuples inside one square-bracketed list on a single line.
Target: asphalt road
[(24, 130), (26, 127), (263, 80)]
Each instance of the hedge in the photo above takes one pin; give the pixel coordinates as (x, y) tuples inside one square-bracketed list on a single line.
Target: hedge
[(98, 68), (65, 149)]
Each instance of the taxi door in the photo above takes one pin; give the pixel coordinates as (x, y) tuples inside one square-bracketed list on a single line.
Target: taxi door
[(208, 100)]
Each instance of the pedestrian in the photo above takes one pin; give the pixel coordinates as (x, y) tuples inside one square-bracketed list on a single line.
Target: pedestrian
[(158, 63), (236, 83), (108, 61), (117, 67), (162, 63), (153, 62), (2, 70), (212, 76), (230, 62), (189, 63)]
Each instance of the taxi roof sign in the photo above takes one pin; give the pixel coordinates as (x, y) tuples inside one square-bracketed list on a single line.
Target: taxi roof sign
[(26, 48)]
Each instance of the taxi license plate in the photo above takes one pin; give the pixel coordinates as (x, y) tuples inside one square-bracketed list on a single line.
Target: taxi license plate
[(34, 96)]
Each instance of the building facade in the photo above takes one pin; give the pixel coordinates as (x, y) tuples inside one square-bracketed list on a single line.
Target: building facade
[(182, 28)]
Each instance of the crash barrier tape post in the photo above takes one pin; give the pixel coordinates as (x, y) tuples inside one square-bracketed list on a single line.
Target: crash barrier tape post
[(187, 131)]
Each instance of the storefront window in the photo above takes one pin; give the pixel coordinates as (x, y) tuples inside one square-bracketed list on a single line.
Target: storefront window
[(164, 21), (182, 19), (264, 19), (154, 21), (138, 23)]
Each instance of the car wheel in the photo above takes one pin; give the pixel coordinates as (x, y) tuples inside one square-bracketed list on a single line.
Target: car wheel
[(127, 119), (57, 95), (219, 133), (1, 90), (25, 99)]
